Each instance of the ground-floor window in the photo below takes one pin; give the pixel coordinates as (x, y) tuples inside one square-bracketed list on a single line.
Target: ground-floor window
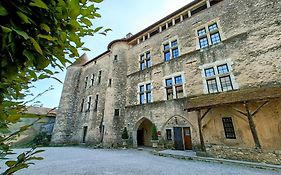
[(169, 134), (228, 128)]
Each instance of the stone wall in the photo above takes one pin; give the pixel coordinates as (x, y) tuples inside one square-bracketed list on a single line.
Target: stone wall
[(245, 154)]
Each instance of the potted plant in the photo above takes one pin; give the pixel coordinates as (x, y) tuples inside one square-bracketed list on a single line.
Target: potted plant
[(154, 137), (125, 137)]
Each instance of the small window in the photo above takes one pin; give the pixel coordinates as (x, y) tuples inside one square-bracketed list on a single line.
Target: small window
[(212, 85), (99, 78), (154, 32), (167, 56), (226, 84), (93, 79), (213, 27), (228, 128), (178, 80), (177, 20), (166, 47), (116, 112), (169, 82), (222, 69), (164, 27), (89, 103), (215, 38), (201, 32), (85, 128), (203, 42), (109, 82), (115, 58), (170, 24), (209, 72), (169, 134), (96, 102), (142, 94), (86, 82), (174, 43)]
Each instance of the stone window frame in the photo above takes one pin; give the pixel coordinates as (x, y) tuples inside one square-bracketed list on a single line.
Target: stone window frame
[(208, 34), (145, 60), (173, 76), (217, 76), (171, 48), (99, 77), (145, 92), (229, 130)]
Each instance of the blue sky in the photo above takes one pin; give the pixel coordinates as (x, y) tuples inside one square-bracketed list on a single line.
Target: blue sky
[(122, 17)]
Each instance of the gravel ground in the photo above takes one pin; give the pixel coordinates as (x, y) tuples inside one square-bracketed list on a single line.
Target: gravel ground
[(84, 161)]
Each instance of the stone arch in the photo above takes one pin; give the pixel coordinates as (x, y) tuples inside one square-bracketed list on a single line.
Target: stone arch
[(142, 132), (174, 116)]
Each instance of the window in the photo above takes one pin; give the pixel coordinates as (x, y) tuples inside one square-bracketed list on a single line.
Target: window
[(145, 93), (86, 82), (174, 87), (82, 105), (96, 102), (169, 134), (228, 128), (171, 50), (109, 82), (99, 78), (218, 78), (92, 79), (89, 103), (116, 112), (145, 61), (209, 35), (85, 128), (115, 58)]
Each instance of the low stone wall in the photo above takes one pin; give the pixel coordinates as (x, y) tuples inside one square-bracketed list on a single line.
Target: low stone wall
[(246, 154)]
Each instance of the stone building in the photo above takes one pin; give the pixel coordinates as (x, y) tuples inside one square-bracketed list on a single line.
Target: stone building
[(208, 76)]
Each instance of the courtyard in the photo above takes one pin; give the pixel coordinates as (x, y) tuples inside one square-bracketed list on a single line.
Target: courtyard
[(87, 161)]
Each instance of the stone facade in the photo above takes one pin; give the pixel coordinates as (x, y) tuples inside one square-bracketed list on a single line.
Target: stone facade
[(240, 49)]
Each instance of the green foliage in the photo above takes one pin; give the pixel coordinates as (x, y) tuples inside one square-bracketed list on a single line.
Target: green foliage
[(36, 34), (125, 134), (23, 161), (42, 139), (154, 135)]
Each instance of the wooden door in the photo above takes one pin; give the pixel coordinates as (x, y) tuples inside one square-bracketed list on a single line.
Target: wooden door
[(187, 138), (178, 138)]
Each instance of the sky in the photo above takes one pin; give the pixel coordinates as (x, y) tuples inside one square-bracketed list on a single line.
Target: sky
[(124, 16)]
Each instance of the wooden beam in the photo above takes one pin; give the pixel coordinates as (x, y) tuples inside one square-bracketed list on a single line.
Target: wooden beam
[(258, 109), (252, 126), (203, 148), (203, 116), (241, 112)]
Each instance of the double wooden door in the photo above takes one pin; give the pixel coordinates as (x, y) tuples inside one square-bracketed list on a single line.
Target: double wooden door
[(182, 138)]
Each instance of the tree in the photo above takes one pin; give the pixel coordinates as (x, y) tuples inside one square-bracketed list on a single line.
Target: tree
[(36, 34)]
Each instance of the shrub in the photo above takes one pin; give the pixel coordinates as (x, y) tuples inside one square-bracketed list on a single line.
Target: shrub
[(125, 133), (154, 132)]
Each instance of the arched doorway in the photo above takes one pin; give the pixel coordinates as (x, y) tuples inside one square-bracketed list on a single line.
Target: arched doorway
[(177, 131), (144, 131)]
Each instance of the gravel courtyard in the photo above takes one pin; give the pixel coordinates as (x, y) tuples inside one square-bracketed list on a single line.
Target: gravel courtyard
[(84, 161)]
